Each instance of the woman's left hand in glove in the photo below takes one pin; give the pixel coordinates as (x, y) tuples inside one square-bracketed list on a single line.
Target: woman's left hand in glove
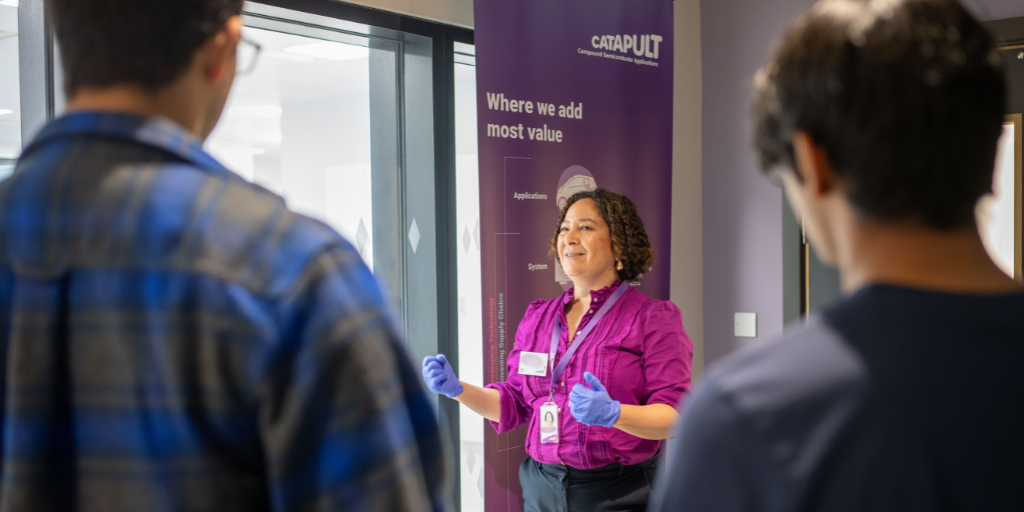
[(593, 407)]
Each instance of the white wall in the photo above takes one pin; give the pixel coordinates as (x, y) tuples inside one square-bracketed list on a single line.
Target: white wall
[(452, 12)]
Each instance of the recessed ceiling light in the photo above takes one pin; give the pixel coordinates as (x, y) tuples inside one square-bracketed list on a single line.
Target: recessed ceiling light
[(330, 50), (288, 57), (4, 111), (254, 112)]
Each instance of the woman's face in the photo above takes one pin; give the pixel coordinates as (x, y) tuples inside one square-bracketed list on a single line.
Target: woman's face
[(549, 419), (584, 243)]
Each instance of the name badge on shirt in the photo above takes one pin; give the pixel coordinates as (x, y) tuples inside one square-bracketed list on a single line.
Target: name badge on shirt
[(533, 363)]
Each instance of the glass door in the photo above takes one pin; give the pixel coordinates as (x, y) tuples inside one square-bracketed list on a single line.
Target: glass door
[(10, 93), (337, 118), (471, 359), (298, 123)]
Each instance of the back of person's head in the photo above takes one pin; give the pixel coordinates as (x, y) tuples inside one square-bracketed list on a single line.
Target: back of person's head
[(144, 43), (904, 96)]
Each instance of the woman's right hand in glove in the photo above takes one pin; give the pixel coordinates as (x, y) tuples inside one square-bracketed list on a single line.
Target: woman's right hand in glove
[(440, 377)]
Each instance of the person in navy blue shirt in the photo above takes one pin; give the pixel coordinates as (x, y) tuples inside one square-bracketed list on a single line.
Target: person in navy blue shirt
[(173, 337), (880, 118)]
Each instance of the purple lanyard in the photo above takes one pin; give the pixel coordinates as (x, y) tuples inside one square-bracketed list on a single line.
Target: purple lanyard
[(556, 335)]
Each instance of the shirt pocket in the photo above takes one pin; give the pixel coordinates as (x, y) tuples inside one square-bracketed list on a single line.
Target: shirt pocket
[(537, 387), (622, 368)]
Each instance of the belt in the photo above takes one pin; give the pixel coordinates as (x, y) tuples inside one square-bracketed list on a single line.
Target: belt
[(609, 472)]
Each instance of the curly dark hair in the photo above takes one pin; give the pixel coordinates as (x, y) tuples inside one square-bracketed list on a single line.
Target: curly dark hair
[(906, 97), (629, 238)]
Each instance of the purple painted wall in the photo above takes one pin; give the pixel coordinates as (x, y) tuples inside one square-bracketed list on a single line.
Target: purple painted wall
[(742, 212), (997, 9)]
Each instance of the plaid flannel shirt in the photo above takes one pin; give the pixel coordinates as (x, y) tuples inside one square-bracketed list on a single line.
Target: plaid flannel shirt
[(174, 338)]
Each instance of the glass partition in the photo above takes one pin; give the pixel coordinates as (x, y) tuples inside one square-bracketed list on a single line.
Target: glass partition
[(10, 96), (298, 123), (471, 367), (337, 118)]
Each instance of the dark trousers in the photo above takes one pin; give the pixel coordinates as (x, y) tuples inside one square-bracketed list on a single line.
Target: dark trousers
[(558, 488)]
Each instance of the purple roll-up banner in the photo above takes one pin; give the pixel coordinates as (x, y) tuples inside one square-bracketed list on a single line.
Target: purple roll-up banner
[(572, 95)]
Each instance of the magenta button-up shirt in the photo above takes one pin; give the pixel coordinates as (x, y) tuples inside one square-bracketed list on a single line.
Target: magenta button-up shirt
[(639, 350)]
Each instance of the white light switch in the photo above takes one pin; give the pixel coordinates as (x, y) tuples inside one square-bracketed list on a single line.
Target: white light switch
[(746, 325)]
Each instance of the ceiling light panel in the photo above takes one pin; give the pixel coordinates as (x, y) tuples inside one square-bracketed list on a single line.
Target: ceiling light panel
[(254, 112), (330, 51)]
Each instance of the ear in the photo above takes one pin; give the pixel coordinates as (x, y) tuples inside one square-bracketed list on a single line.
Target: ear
[(218, 54), (813, 165)]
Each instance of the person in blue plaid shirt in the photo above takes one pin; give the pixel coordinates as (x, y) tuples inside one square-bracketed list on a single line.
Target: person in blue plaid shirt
[(173, 337)]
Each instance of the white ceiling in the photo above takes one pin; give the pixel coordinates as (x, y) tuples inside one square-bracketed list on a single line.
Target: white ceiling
[(281, 77), (278, 78), (284, 85)]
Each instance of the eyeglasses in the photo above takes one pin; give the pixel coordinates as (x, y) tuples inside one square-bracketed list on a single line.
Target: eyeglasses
[(248, 54)]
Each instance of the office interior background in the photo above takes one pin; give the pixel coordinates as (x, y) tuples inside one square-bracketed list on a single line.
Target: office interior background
[(363, 114)]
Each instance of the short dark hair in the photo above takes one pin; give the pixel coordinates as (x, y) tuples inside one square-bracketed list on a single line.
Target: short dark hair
[(906, 98), (628, 236), (146, 43)]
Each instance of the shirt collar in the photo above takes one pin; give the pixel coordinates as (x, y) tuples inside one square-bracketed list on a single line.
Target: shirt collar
[(597, 297), (151, 131)]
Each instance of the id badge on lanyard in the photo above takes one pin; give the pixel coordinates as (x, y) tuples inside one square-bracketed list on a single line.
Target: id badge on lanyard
[(549, 423), (549, 410)]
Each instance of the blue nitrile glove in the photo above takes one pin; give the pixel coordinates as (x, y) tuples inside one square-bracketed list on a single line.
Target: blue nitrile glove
[(593, 407), (440, 378)]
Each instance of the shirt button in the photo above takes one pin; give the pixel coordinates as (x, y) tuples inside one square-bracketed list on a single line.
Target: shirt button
[(563, 382), (591, 310)]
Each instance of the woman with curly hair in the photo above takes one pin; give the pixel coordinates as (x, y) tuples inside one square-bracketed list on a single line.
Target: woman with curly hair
[(614, 359)]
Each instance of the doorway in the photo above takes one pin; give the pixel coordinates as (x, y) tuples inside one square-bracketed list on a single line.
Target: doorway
[(1002, 222), (809, 286)]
